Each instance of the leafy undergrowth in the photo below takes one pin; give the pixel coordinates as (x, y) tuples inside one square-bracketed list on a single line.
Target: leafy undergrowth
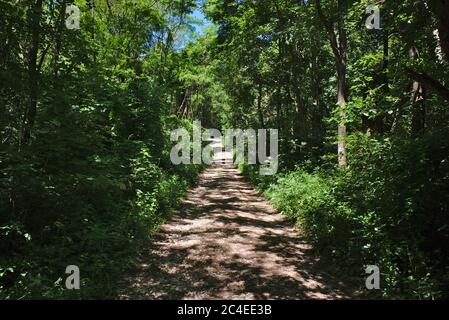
[(388, 209), (96, 215)]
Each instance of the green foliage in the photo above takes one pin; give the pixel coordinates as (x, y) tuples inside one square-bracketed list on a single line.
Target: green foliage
[(389, 209), (96, 219), (390, 206), (94, 179), (85, 117)]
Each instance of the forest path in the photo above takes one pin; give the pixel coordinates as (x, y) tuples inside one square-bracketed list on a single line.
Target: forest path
[(226, 242)]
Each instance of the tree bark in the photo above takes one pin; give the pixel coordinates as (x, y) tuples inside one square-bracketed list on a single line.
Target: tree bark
[(58, 36), (259, 106), (33, 73), (183, 109), (417, 101), (338, 42), (431, 83), (441, 9)]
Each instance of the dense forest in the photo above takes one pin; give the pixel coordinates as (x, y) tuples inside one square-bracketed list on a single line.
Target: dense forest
[(359, 91)]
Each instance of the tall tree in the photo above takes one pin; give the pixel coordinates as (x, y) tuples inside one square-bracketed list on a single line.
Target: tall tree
[(337, 36), (29, 116)]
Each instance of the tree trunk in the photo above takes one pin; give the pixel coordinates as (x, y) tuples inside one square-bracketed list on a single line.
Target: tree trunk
[(317, 92), (259, 106), (429, 82), (417, 102), (338, 42), (183, 109), (58, 37), (442, 11), (33, 73), (280, 96), (342, 101)]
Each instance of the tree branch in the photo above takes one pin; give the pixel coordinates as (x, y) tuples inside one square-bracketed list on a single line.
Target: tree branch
[(431, 83), (330, 30)]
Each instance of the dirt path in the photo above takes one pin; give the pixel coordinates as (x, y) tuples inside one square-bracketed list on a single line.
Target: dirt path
[(226, 242)]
